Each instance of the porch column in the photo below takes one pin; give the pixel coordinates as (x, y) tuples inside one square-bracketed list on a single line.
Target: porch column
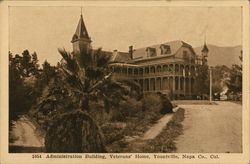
[(174, 69), (190, 89), (184, 87), (161, 83), (149, 84), (173, 85), (179, 84), (143, 85)]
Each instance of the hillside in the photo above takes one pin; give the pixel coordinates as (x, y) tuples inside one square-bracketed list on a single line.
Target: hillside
[(221, 55)]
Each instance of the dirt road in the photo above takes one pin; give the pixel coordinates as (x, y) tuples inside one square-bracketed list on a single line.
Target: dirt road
[(211, 129)]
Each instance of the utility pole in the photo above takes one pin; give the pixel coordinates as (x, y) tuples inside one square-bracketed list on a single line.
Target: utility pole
[(211, 83)]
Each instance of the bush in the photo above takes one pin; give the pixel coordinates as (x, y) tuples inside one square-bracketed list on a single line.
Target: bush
[(98, 113), (167, 106), (235, 96), (126, 109), (112, 132), (144, 118), (152, 102), (130, 107)]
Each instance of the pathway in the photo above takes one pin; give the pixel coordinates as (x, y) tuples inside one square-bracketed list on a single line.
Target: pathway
[(211, 129), (156, 129)]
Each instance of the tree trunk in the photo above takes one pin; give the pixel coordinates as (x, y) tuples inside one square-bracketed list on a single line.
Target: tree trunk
[(74, 132)]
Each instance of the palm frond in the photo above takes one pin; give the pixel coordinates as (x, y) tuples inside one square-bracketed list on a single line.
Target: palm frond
[(73, 81), (94, 73), (71, 63), (101, 58), (100, 82), (132, 84), (84, 58)]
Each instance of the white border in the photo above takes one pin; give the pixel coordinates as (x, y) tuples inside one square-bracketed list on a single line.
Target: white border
[(26, 157)]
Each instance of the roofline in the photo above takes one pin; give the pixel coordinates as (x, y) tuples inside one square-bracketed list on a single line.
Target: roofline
[(165, 43), (153, 58), (124, 64)]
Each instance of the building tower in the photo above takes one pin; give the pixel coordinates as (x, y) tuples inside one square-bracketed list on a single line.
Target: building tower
[(81, 40), (204, 54)]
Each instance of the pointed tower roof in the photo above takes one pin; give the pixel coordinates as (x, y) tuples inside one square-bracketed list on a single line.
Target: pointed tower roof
[(81, 31), (205, 49)]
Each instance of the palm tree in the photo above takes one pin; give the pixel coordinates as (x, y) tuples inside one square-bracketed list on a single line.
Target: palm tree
[(86, 77)]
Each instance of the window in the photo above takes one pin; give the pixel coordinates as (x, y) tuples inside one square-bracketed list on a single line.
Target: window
[(185, 55), (165, 49), (151, 52)]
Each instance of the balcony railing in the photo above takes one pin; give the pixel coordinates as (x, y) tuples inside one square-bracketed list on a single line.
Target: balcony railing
[(154, 74)]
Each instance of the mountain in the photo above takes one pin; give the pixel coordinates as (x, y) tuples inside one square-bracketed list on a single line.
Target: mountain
[(221, 55)]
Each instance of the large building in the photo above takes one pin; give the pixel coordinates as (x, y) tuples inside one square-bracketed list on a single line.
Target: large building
[(169, 68)]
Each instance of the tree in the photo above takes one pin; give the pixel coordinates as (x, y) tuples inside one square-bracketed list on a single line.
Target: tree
[(235, 83), (74, 132), (44, 76), (86, 77), (28, 64), (21, 95), (202, 80), (220, 75)]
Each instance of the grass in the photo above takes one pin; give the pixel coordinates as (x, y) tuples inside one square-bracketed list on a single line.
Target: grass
[(165, 142), (135, 126), (138, 125), (139, 117)]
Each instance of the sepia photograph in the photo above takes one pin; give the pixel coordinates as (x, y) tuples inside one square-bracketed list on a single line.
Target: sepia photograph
[(125, 79)]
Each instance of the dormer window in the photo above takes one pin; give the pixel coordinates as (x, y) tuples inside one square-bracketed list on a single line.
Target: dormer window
[(185, 56), (151, 52), (165, 49)]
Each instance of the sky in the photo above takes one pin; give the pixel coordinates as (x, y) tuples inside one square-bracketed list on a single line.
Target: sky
[(45, 29)]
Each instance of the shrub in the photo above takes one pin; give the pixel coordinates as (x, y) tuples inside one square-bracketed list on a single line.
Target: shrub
[(144, 118), (167, 106), (98, 113), (152, 101), (126, 109), (112, 132)]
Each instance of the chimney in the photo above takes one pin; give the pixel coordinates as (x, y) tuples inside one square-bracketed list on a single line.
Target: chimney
[(130, 51)]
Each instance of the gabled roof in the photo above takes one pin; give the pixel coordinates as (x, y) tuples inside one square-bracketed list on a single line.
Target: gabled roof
[(120, 57), (81, 31), (141, 53)]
